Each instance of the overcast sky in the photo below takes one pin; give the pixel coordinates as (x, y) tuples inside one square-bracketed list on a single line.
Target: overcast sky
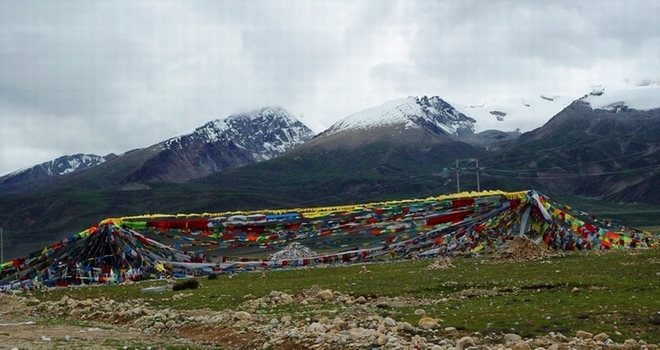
[(110, 76)]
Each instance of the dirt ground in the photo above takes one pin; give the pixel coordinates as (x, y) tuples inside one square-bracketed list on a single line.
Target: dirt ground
[(21, 330), (40, 335), (25, 332)]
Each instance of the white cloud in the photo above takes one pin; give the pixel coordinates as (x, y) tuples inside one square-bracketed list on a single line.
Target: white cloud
[(101, 77)]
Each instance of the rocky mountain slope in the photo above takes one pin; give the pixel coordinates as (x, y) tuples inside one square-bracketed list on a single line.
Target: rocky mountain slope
[(604, 145)]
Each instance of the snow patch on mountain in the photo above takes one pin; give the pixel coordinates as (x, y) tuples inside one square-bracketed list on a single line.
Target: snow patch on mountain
[(68, 164), (615, 97), (411, 112), (316, 126), (509, 114), (56, 167)]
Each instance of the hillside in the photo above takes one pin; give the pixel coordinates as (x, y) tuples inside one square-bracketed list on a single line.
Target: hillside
[(603, 154)]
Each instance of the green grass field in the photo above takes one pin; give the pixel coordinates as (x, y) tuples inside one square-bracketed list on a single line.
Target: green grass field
[(615, 293)]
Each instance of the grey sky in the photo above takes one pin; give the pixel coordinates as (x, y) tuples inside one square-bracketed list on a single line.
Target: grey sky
[(109, 76)]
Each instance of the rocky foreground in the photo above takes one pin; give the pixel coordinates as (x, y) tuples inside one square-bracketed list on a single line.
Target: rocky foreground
[(314, 318), (333, 321)]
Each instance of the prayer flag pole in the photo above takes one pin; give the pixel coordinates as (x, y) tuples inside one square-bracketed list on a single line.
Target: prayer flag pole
[(458, 181)]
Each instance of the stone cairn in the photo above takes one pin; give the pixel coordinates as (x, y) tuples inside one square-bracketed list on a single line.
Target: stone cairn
[(294, 250), (519, 249), (440, 263)]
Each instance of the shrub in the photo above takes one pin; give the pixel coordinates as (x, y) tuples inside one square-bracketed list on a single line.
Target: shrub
[(190, 283)]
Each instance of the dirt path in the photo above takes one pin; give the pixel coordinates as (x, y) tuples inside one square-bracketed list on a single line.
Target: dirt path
[(41, 335), (20, 330)]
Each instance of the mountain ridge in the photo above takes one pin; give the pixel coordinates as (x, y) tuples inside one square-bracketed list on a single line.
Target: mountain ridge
[(604, 154), (503, 114), (219, 144)]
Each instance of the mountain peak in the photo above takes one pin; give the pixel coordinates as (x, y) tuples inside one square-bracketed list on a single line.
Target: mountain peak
[(266, 111), (220, 144), (292, 119), (274, 128), (432, 113)]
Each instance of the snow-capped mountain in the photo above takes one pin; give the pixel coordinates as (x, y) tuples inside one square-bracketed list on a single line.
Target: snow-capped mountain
[(531, 112), (503, 114), (221, 144), (56, 167), (432, 113), (263, 134)]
